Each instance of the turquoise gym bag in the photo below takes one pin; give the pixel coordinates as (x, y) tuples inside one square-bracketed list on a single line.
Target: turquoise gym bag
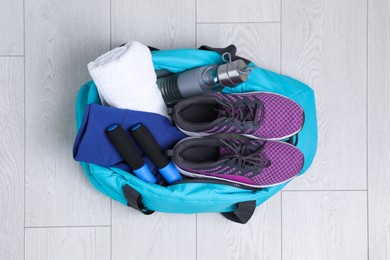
[(234, 203)]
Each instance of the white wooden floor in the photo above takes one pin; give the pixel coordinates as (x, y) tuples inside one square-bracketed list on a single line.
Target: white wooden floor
[(340, 209)]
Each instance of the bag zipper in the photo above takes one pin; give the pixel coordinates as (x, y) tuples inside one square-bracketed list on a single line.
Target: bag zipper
[(213, 181)]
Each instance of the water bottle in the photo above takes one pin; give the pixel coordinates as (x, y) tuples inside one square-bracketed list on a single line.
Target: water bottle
[(202, 80)]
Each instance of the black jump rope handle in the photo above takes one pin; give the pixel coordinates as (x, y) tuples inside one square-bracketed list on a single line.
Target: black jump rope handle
[(153, 150), (128, 151)]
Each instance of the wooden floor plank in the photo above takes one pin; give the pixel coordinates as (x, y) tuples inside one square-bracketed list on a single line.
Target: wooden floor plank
[(157, 23), (324, 225), (379, 129), (11, 27), (12, 158), (81, 243), (219, 238), (218, 11), (159, 236), (61, 38)]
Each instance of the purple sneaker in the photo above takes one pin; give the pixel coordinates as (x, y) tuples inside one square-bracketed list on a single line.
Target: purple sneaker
[(254, 163), (257, 115)]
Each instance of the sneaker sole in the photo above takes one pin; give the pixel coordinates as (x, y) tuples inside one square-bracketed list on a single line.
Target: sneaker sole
[(196, 175), (203, 134)]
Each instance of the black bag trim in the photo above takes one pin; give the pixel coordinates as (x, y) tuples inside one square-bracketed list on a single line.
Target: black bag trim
[(170, 111), (232, 49), (134, 200), (293, 140), (243, 212), (151, 48)]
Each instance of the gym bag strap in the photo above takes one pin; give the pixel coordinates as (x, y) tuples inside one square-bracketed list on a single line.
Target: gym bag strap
[(232, 49), (134, 200), (243, 212)]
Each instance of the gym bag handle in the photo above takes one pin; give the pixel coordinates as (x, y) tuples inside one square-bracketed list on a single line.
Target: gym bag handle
[(134, 200), (231, 49), (243, 212)]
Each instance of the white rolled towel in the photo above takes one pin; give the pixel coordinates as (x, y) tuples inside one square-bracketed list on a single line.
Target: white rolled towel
[(125, 78)]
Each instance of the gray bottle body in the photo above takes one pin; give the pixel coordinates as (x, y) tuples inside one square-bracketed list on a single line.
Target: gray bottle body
[(188, 88), (188, 84), (199, 81)]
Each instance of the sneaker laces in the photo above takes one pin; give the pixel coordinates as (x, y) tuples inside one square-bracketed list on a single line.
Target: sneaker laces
[(244, 155), (243, 113)]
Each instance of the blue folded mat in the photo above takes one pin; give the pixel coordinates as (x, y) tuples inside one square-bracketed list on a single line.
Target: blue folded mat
[(93, 146)]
